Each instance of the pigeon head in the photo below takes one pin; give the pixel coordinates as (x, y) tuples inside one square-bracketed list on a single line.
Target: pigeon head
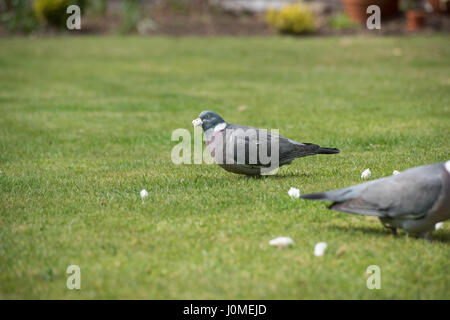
[(208, 120)]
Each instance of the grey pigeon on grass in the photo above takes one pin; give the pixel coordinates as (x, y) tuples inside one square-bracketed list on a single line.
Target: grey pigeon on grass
[(241, 149), (414, 200)]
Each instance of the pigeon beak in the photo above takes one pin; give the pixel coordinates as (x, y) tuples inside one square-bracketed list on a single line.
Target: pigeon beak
[(197, 122)]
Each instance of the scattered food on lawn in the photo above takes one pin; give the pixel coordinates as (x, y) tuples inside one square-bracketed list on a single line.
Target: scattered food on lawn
[(144, 194), (366, 174), (281, 242), (294, 192), (319, 249)]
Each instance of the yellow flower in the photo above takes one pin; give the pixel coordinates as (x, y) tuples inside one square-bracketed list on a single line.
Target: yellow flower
[(292, 18)]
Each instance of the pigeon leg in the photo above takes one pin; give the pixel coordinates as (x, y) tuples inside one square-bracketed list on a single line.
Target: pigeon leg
[(387, 225), (393, 231)]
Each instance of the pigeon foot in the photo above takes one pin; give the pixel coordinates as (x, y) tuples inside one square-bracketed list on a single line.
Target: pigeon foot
[(393, 231)]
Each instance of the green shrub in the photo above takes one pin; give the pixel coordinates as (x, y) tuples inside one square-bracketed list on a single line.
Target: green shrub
[(53, 12), (131, 15), (341, 21), (292, 18), (19, 17)]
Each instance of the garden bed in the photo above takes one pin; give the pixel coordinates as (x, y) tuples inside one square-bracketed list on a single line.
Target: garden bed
[(201, 19)]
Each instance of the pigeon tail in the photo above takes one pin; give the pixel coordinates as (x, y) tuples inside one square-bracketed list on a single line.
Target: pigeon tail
[(315, 196), (328, 150)]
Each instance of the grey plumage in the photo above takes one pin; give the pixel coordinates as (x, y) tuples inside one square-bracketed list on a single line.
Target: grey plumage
[(414, 200), (237, 148)]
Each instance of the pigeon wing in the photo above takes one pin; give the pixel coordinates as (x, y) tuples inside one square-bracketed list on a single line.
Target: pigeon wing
[(247, 143)]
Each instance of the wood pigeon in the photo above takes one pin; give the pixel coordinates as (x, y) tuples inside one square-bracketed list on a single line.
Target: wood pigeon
[(247, 150)]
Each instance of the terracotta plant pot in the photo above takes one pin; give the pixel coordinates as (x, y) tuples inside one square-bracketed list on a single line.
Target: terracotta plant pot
[(415, 20), (439, 6), (356, 9)]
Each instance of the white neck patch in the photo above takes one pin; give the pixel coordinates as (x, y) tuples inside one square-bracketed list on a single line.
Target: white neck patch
[(220, 126), (447, 166)]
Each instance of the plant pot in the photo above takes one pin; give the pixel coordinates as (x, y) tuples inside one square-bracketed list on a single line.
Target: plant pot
[(356, 9), (440, 6), (415, 20)]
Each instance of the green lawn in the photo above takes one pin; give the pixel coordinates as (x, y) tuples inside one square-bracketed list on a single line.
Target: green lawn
[(86, 124)]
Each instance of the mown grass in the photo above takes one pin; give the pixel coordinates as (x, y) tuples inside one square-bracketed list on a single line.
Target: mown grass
[(86, 124)]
